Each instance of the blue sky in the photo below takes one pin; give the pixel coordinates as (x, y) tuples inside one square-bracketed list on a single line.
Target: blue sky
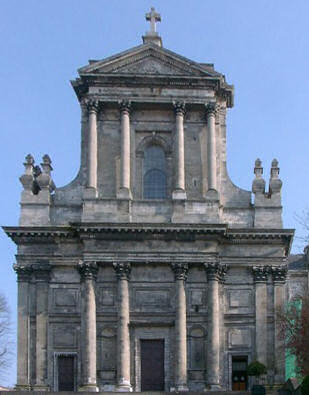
[(261, 46)]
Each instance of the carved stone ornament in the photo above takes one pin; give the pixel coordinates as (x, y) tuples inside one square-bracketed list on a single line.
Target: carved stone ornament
[(258, 184), (180, 270), (260, 273), (279, 273), (123, 270), (275, 183), (215, 271), (180, 107), (211, 109), (92, 104), (42, 271), (23, 272), (27, 178), (88, 270), (125, 106)]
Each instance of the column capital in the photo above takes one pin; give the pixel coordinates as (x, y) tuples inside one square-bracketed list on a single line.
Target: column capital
[(123, 270), (211, 108), (179, 107), (279, 273), (125, 106), (88, 270), (42, 271), (92, 105), (180, 270), (215, 271), (260, 273), (24, 272)]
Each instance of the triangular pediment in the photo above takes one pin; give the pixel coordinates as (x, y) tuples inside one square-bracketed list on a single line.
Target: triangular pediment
[(148, 59)]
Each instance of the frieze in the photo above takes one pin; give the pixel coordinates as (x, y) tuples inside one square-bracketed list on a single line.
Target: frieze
[(123, 270), (180, 270)]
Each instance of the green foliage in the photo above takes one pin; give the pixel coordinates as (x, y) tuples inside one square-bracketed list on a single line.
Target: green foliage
[(256, 368), (305, 386)]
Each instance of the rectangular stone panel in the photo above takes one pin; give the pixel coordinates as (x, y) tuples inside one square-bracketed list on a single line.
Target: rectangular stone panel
[(152, 298), (107, 296), (239, 298), (65, 299), (197, 297), (64, 336), (239, 337)]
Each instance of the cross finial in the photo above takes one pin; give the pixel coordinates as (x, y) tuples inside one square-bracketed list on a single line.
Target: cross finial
[(153, 17)]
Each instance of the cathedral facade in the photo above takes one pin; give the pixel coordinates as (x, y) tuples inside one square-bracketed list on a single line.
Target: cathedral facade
[(151, 270)]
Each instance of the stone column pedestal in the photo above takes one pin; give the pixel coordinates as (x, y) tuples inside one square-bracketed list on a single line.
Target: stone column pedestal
[(180, 270), (42, 274), (123, 335), (179, 188), (88, 272), (23, 374), (125, 159), (215, 274)]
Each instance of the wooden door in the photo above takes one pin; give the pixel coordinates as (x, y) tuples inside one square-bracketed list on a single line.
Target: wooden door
[(152, 365), (66, 373), (239, 373)]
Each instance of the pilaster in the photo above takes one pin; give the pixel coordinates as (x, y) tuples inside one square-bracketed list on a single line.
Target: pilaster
[(24, 274), (42, 275), (279, 274), (211, 151), (260, 277), (180, 271), (88, 274)]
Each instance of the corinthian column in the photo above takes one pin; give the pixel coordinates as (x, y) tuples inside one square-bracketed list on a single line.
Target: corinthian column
[(125, 181), (88, 272), (211, 146), (260, 274), (123, 336), (42, 273), (215, 273), (279, 274), (180, 270), (179, 188), (23, 356), (92, 159)]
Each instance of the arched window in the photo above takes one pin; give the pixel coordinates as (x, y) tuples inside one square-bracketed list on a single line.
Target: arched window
[(154, 174)]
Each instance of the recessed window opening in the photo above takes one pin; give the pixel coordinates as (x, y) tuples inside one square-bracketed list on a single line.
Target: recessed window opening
[(154, 173)]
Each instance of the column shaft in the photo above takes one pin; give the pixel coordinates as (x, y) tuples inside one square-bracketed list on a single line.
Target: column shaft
[(260, 274), (125, 159), (23, 357), (88, 272), (180, 270), (180, 152), (279, 274), (42, 288), (213, 352), (215, 275), (211, 152), (92, 145), (123, 335)]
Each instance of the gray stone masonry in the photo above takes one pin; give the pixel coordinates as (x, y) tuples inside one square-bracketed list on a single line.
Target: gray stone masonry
[(102, 268)]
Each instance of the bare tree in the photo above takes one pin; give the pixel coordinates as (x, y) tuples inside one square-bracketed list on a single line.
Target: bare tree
[(303, 220), (6, 337), (294, 329)]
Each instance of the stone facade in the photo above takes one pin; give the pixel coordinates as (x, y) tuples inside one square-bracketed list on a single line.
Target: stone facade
[(151, 241)]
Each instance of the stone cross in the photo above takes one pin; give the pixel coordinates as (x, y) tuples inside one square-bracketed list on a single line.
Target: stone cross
[(153, 17)]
